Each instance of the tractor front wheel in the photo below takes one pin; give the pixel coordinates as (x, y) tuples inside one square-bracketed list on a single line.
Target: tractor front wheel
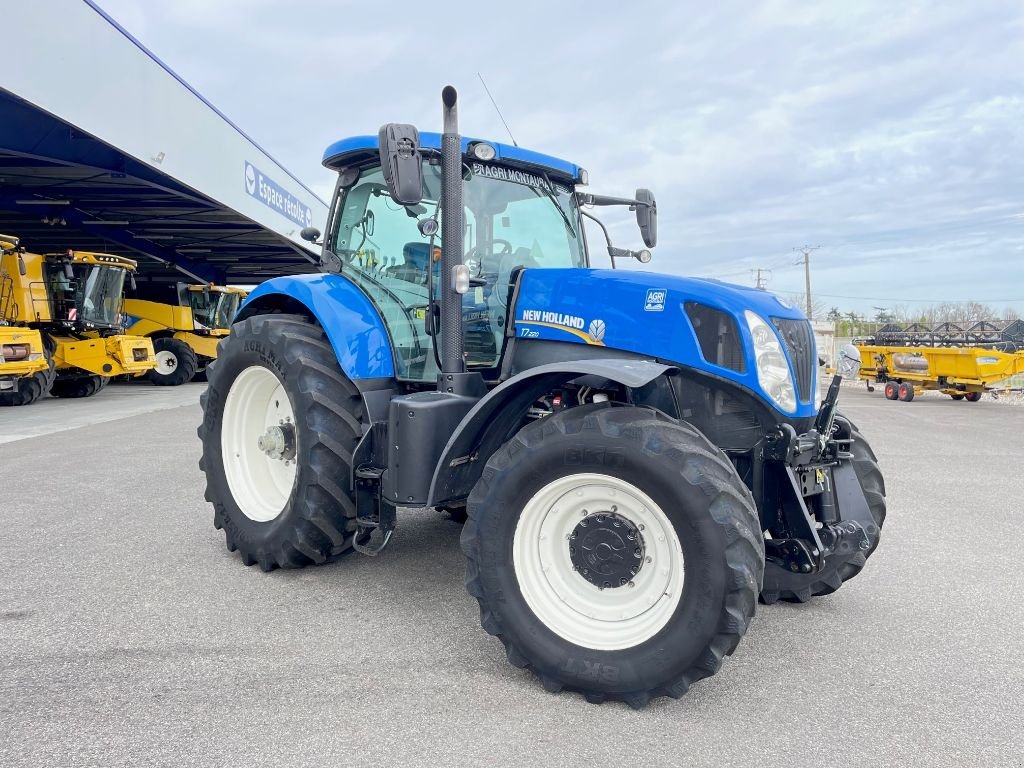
[(280, 423), (614, 553), (176, 363)]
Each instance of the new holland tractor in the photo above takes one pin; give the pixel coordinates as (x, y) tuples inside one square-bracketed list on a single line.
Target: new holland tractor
[(185, 322), (74, 300), (639, 456)]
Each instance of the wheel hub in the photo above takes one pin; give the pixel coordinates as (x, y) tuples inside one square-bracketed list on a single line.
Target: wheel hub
[(278, 442), (606, 549)]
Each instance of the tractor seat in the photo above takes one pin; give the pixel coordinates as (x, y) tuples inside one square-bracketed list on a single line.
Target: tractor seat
[(417, 259)]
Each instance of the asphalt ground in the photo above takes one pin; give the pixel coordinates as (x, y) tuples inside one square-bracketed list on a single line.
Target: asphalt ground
[(130, 636)]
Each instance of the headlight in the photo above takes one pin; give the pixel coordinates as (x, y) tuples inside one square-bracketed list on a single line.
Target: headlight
[(772, 369)]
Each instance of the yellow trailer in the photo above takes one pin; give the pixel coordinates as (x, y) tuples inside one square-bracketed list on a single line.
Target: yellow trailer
[(186, 326), (74, 301), (963, 373)]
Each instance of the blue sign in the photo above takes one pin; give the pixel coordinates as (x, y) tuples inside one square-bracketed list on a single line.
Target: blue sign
[(273, 195)]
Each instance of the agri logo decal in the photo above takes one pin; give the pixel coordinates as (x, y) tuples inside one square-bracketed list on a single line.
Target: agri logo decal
[(273, 195), (655, 300)]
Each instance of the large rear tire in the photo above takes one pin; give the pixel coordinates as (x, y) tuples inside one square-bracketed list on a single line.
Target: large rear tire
[(176, 363), (28, 389), (563, 514), (780, 584), (85, 385), (280, 423)]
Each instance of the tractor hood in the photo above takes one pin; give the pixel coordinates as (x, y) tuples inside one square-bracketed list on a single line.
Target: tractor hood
[(671, 318)]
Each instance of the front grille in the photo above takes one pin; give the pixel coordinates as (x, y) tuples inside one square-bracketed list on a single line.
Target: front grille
[(717, 335), (799, 340)]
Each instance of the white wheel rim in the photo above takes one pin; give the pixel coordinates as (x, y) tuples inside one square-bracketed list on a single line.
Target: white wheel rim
[(166, 362), (260, 484), (569, 605)]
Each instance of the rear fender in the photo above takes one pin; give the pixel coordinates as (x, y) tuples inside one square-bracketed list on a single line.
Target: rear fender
[(492, 421), (351, 321)]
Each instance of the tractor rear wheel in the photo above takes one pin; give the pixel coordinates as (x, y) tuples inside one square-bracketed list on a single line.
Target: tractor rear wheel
[(780, 584), (85, 385), (280, 423), (28, 389), (614, 553), (176, 363)]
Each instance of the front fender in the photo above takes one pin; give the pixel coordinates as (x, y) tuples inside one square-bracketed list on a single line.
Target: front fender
[(352, 323), (493, 420)]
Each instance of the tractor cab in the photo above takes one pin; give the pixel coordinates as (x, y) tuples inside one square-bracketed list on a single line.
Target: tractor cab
[(520, 211)]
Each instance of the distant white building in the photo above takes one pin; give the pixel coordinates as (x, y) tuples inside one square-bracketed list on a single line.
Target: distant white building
[(825, 339)]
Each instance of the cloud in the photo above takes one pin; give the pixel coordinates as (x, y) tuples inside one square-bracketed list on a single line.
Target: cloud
[(887, 132)]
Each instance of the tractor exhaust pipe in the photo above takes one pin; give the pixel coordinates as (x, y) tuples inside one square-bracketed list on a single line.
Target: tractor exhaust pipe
[(452, 348)]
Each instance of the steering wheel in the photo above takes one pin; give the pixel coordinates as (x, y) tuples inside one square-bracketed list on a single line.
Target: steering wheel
[(478, 250)]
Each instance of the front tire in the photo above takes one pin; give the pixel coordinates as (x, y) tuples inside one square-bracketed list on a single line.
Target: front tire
[(176, 363), (280, 423), (591, 487)]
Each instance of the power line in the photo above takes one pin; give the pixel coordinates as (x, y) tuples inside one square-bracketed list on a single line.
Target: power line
[(759, 281), (916, 301), (488, 90)]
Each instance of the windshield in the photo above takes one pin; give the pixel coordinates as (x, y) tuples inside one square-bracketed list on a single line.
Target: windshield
[(92, 295), (213, 310), (512, 219)]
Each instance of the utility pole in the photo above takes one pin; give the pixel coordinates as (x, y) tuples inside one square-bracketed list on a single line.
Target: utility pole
[(759, 281), (807, 250)]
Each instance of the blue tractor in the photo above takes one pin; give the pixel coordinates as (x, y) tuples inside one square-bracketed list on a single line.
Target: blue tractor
[(638, 457)]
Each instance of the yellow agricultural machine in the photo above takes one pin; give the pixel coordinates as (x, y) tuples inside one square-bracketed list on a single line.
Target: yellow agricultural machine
[(185, 327), (963, 373), (74, 300), (22, 357)]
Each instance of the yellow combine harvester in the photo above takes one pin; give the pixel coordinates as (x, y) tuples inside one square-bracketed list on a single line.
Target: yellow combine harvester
[(74, 300), (185, 327), (963, 373), (22, 356)]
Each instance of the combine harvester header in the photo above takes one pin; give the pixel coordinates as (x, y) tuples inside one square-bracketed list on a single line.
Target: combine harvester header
[(963, 373), (100, 135)]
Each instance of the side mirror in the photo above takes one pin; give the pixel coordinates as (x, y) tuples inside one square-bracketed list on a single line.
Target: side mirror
[(310, 234), (647, 217), (849, 362), (21, 265), (401, 162), (131, 280)]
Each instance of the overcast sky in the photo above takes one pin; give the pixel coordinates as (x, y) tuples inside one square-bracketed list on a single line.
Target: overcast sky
[(891, 134)]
